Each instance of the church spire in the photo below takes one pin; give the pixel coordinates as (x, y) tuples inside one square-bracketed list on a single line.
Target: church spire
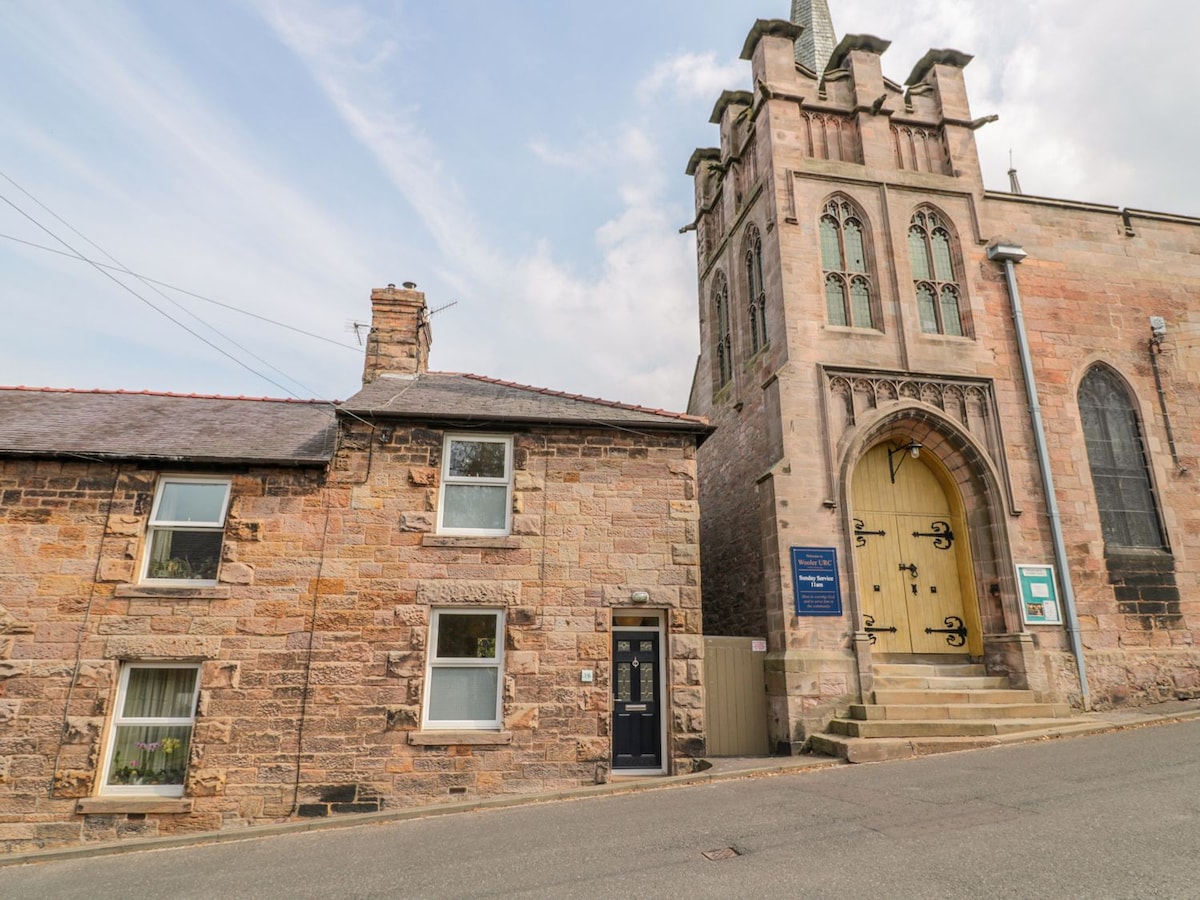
[(815, 45)]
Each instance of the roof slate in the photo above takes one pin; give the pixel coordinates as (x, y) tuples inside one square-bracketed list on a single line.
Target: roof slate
[(447, 396), (145, 425)]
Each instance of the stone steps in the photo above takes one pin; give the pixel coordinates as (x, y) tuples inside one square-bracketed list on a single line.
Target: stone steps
[(947, 697), (938, 682), (913, 712), (864, 750), (922, 707), (936, 727), (956, 670)]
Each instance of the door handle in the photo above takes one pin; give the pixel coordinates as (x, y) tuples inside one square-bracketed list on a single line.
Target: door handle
[(910, 568)]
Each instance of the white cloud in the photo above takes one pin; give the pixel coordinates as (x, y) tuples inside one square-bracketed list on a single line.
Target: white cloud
[(619, 329), (146, 164), (693, 76)]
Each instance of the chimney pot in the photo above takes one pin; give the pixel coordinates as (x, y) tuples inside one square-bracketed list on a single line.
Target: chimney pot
[(409, 285)]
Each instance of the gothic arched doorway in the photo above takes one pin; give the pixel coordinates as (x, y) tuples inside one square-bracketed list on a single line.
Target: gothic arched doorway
[(912, 554)]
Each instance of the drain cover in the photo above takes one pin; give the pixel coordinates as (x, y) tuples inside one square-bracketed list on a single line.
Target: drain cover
[(723, 853)]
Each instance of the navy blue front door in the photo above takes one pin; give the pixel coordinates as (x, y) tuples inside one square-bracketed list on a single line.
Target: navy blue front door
[(637, 712)]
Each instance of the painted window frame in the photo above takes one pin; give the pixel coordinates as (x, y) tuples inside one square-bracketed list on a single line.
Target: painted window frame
[(119, 720), (155, 528), (434, 662), (1125, 478), (841, 273), (926, 224), (449, 482)]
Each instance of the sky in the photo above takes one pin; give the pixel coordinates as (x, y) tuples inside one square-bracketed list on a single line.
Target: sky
[(261, 165)]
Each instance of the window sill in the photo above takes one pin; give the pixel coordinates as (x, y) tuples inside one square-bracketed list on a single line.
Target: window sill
[(459, 738), (207, 592), (499, 542), (860, 330), (948, 338), (110, 805)]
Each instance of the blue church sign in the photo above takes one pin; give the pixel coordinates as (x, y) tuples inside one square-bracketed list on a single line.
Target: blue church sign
[(815, 580)]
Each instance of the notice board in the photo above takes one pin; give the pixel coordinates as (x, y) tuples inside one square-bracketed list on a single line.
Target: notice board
[(815, 581)]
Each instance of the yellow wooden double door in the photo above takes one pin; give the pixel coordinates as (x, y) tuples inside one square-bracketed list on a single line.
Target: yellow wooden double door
[(910, 550)]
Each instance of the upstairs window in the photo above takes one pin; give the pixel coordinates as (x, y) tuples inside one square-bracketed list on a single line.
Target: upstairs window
[(848, 294), (722, 337), (935, 276), (476, 491), (1117, 457), (187, 524), (756, 294)]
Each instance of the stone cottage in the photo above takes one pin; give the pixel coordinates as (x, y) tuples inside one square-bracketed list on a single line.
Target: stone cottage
[(220, 612)]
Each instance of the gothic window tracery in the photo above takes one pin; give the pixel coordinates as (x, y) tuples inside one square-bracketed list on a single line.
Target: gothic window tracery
[(935, 275), (1117, 458), (722, 336), (844, 259), (756, 295)]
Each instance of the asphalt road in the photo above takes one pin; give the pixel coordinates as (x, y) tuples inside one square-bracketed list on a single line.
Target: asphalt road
[(1103, 816)]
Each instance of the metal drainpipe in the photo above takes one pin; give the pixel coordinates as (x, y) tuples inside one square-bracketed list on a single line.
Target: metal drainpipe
[(1010, 254)]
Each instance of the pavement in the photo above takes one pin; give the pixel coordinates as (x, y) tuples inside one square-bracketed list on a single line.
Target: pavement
[(712, 769)]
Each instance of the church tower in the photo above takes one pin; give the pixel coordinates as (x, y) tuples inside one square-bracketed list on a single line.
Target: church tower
[(875, 475), (883, 487)]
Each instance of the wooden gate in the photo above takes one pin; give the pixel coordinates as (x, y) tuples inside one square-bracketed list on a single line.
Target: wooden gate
[(735, 697)]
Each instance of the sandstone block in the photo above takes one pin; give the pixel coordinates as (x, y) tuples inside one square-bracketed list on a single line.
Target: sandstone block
[(526, 524), (460, 591), (124, 525), (175, 646), (592, 646), (403, 718), (424, 476), (116, 570), (521, 662), (521, 716), (417, 521), (405, 663), (411, 615), (237, 573), (82, 730)]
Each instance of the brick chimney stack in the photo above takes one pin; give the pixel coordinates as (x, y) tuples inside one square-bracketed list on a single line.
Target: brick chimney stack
[(400, 336)]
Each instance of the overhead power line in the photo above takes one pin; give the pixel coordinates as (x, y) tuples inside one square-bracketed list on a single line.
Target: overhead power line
[(121, 267), (185, 291)]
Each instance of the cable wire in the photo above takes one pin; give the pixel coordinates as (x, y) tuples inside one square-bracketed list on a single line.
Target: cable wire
[(168, 285)]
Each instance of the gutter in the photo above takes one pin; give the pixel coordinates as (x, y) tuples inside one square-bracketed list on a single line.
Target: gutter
[(1011, 254)]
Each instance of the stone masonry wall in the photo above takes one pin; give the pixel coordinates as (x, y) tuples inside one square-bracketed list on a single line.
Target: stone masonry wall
[(312, 645), (1089, 286), (1092, 279)]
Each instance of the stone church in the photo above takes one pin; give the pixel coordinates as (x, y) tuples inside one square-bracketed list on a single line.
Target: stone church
[(956, 428)]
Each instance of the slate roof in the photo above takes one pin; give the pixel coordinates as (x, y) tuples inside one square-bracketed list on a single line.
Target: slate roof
[(453, 397), (158, 426)]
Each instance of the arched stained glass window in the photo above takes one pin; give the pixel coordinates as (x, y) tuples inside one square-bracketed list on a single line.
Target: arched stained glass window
[(722, 337), (1117, 458), (756, 294), (939, 294), (844, 259)]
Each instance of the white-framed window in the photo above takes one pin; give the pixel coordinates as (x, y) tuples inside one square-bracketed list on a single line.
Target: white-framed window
[(150, 734), (476, 491), (187, 523), (463, 684)]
